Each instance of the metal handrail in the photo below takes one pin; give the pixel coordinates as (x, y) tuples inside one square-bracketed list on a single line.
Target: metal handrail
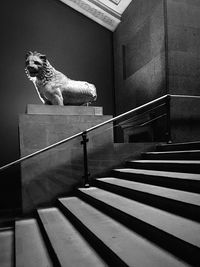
[(134, 118), (39, 151), (83, 132), (185, 96), (128, 113)]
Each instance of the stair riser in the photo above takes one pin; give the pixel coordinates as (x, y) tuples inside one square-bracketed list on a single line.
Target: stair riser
[(187, 168), (172, 244), (172, 156), (180, 184), (179, 147), (7, 244), (183, 209)]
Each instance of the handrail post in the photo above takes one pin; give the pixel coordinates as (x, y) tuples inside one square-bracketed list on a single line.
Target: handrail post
[(85, 159), (168, 107)]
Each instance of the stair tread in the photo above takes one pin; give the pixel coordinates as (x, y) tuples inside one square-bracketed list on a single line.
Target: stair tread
[(172, 155), (191, 166), (174, 225), (172, 152), (181, 143), (118, 238), (183, 196), (6, 248), (196, 162), (176, 175), (30, 246), (177, 145), (70, 247)]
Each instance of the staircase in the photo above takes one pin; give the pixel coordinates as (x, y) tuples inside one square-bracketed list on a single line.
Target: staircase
[(144, 215)]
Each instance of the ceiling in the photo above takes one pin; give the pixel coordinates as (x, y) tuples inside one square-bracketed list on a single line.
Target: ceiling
[(105, 12)]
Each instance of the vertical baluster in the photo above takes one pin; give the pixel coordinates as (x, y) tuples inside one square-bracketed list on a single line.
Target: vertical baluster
[(85, 159), (168, 133)]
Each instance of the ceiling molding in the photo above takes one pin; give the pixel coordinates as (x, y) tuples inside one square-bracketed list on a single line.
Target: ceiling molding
[(105, 12)]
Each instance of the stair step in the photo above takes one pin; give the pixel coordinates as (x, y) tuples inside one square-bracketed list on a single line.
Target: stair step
[(179, 146), (6, 248), (182, 196), (176, 233), (70, 247), (177, 155), (182, 228), (124, 243), (188, 166), (177, 180), (30, 246), (179, 202)]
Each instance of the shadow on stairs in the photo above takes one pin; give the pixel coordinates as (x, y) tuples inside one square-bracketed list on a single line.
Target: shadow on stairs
[(146, 214)]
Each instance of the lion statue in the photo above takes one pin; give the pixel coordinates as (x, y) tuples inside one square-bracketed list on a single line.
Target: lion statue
[(53, 87)]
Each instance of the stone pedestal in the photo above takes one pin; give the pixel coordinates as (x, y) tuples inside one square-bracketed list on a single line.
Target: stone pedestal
[(57, 171)]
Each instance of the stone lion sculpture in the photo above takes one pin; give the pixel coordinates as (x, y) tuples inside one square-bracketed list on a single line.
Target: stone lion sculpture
[(55, 88)]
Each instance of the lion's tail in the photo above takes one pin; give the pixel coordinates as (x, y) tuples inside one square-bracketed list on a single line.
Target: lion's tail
[(93, 91)]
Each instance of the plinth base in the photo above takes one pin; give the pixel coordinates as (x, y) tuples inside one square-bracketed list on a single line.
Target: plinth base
[(57, 171), (63, 110)]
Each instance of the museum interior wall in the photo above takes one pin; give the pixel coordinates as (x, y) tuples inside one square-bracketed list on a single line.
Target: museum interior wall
[(139, 48), (183, 35), (74, 45), (183, 25), (157, 48), (156, 52)]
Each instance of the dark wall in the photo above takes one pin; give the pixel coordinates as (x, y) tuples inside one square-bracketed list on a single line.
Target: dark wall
[(183, 19), (139, 43), (157, 51), (183, 32), (74, 44)]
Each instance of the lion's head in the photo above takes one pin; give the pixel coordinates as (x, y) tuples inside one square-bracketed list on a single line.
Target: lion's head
[(34, 63)]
